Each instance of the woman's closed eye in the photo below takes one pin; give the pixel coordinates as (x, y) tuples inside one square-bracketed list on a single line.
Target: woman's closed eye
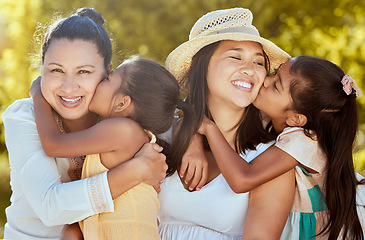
[(259, 63), (235, 57)]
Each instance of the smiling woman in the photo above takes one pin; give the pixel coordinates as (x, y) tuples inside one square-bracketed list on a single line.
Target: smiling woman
[(76, 56), (241, 64), (222, 68), (71, 71)]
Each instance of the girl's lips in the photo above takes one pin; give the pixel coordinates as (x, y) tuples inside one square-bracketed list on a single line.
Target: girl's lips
[(71, 102)]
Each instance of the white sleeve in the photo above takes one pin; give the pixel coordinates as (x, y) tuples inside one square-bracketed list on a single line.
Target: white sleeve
[(55, 203), (304, 149)]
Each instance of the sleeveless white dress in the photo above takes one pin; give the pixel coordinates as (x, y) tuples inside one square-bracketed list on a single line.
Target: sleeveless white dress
[(213, 213)]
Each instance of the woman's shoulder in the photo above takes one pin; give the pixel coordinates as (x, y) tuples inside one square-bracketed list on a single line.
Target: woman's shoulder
[(21, 109)]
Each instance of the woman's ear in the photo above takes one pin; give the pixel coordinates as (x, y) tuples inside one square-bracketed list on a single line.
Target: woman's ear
[(110, 66), (296, 120), (122, 103)]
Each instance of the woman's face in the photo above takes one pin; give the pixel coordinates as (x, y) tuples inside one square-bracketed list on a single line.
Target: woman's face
[(236, 72), (71, 71)]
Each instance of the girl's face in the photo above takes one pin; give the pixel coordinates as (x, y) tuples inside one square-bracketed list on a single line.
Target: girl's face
[(71, 71), (236, 72), (105, 95), (274, 97)]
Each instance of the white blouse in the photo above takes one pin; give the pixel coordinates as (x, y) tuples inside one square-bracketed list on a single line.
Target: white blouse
[(40, 203)]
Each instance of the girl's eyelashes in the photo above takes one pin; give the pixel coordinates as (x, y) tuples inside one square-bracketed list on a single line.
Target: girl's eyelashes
[(275, 86)]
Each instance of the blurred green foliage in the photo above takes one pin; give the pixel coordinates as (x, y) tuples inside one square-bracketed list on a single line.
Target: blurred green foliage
[(331, 29)]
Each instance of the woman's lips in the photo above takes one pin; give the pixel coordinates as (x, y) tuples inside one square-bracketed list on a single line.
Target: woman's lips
[(243, 85), (71, 102)]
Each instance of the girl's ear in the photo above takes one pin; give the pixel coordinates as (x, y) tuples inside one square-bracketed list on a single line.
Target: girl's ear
[(122, 103), (296, 120)]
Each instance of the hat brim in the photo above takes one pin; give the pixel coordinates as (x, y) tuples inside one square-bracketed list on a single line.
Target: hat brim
[(179, 60)]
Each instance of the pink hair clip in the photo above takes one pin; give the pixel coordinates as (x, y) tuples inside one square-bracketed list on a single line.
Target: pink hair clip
[(349, 84)]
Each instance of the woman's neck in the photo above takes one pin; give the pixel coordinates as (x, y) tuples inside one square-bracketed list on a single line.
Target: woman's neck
[(74, 125), (227, 121)]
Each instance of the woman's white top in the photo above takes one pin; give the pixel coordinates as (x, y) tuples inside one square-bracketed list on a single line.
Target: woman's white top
[(40, 203), (213, 213)]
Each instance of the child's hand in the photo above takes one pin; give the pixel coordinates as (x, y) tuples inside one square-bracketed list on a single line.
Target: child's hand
[(194, 164), (204, 126), (153, 164), (35, 88), (71, 232)]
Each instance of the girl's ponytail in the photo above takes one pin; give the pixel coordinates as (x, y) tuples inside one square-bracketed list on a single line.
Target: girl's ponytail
[(332, 116), (181, 137), (341, 182)]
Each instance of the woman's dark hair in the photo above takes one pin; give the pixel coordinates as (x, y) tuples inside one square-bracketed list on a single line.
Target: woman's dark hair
[(156, 95), (317, 92), (86, 24), (249, 133)]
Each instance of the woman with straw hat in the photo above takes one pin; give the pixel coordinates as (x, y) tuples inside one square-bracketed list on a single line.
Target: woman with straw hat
[(221, 68)]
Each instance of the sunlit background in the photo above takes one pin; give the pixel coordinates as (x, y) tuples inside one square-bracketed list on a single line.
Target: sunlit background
[(332, 29)]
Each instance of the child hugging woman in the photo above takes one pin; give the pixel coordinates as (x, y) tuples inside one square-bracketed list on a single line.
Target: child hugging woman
[(135, 102), (311, 104)]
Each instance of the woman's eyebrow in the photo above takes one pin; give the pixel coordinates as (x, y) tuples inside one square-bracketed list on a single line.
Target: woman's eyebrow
[(52, 63), (87, 65)]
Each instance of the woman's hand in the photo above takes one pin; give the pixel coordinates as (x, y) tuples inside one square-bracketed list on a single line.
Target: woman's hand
[(194, 164), (154, 163), (147, 166), (71, 232), (35, 88)]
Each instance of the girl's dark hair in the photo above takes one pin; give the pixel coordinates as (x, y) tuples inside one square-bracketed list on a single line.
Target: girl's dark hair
[(246, 137), (86, 24), (156, 95), (317, 92)]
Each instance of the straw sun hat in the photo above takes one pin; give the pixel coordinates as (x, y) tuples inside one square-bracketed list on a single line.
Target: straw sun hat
[(229, 24)]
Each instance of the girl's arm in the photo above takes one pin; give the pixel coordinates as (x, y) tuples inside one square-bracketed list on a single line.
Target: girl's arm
[(194, 164), (240, 175), (109, 135), (71, 232)]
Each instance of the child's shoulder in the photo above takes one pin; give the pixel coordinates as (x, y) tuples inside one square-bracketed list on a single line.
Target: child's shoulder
[(303, 148), (291, 131), (122, 125)]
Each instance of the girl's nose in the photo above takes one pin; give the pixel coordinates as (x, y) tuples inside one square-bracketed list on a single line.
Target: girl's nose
[(268, 81)]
